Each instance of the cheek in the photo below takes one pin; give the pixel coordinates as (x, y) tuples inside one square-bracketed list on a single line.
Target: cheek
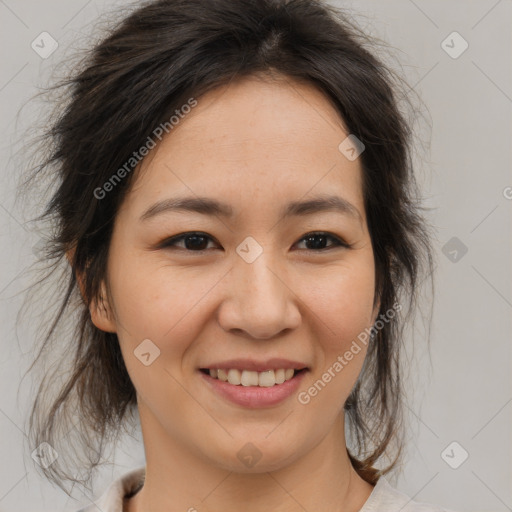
[(342, 304), (341, 298), (159, 303)]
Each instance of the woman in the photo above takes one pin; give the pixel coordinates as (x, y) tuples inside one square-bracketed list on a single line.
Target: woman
[(236, 203)]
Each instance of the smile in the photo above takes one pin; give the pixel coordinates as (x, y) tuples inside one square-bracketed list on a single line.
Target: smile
[(266, 379), (247, 390)]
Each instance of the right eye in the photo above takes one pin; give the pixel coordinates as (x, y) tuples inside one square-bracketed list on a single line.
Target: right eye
[(193, 241)]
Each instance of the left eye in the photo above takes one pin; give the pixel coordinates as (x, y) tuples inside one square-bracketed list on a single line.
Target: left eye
[(197, 241), (318, 240)]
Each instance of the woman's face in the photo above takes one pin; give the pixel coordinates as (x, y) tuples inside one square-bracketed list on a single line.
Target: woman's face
[(254, 290)]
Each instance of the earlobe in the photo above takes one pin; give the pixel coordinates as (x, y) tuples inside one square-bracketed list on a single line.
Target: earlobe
[(101, 314), (99, 309)]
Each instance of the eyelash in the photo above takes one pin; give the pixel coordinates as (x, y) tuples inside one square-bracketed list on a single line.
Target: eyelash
[(170, 242)]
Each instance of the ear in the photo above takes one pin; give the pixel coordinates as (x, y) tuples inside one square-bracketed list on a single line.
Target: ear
[(99, 308)]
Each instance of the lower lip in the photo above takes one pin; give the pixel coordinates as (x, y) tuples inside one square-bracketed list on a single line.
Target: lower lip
[(255, 396)]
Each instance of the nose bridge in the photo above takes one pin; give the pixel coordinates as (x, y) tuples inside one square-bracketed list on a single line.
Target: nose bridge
[(261, 280), (261, 304)]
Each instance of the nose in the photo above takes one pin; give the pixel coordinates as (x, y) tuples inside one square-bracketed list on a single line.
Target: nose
[(259, 301)]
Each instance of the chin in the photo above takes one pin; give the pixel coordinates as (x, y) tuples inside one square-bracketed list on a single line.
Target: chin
[(256, 456)]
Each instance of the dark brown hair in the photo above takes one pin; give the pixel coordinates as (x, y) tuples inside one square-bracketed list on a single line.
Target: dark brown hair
[(132, 81)]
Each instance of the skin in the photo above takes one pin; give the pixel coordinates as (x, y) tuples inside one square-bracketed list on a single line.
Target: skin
[(256, 145)]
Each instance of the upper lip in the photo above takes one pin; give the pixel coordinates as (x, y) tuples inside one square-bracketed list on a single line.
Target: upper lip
[(256, 366)]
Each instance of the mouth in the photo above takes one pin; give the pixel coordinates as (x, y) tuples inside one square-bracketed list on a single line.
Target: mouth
[(250, 378), (258, 388)]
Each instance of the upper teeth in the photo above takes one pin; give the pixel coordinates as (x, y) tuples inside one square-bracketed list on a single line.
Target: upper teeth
[(265, 379)]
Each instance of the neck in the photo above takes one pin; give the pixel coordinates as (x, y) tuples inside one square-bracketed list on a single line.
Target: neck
[(178, 480)]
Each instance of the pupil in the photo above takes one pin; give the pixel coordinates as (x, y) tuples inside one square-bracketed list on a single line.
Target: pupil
[(318, 244), (197, 242)]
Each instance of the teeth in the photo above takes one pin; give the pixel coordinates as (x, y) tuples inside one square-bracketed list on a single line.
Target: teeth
[(265, 379), (234, 377), (280, 376), (249, 378)]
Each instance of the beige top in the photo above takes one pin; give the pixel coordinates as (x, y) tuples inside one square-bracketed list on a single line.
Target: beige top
[(383, 498)]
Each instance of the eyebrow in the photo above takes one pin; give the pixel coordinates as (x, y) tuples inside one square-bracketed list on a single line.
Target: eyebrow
[(212, 207)]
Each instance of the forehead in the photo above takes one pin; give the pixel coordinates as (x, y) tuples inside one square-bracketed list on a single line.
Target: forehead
[(276, 111), (253, 136)]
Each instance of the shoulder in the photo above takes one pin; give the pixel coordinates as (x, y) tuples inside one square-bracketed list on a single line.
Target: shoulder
[(386, 498), (112, 499)]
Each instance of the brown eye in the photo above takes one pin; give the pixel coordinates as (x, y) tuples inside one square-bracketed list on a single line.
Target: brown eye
[(198, 242), (317, 241), (193, 241)]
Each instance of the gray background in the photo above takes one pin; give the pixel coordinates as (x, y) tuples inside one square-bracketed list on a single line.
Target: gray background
[(463, 393)]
